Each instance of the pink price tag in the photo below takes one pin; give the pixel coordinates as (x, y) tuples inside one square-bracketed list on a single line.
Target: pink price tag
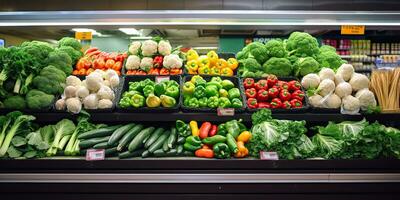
[(267, 155), (160, 79), (95, 154), (225, 111)]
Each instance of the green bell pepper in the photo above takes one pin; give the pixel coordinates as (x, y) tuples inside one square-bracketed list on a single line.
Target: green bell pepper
[(223, 93), (159, 89), (182, 128), (137, 101), (125, 102), (216, 79), (130, 93), (192, 143), (214, 139), (233, 128), (213, 102), (234, 93), (149, 89), (147, 82), (200, 82), (211, 90), (242, 127), (167, 101), (230, 140), (203, 102), (224, 102), (188, 88), (193, 102), (135, 86), (171, 83), (222, 129), (216, 84), (186, 100), (237, 103), (172, 91), (199, 91), (221, 150), (227, 84)]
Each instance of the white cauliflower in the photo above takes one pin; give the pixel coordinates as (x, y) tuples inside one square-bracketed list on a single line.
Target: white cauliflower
[(146, 64), (105, 92), (164, 47), (134, 47), (327, 86), (105, 103), (343, 89), (73, 81), (114, 81), (74, 105), (82, 92), (351, 104), (326, 73), (346, 71), (110, 73), (315, 100), (338, 79), (366, 98), (149, 48), (70, 91), (310, 81), (107, 83), (60, 104), (91, 101), (359, 81), (133, 62), (333, 101), (94, 82), (172, 61)]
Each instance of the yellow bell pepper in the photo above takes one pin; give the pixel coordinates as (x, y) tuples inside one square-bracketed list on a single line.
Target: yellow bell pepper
[(192, 65), (243, 151), (192, 55), (213, 57), (194, 78), (192, 72), (221, 63), (226, 71), (215, 71), (203, 61), (244, 137), (233, 63), (204, 70), (194, 127)]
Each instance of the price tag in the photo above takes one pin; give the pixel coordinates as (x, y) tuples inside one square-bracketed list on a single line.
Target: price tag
[(269, 155), (160, 79), (83, 35), (352, 30), (225, 111), (95, 154)]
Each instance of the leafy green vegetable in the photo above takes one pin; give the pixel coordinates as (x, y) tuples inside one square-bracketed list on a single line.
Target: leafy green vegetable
[(82, 126), (51, 80), (15, 102), (62, 128), (60, 60), (326, 147)]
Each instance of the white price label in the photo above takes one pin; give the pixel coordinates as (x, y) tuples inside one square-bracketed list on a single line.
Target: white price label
[(160, 79), (225, 111), (95, 154), (267, 155)]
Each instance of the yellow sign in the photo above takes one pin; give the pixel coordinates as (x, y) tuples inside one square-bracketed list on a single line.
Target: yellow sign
[(352, 30), (83, 35)]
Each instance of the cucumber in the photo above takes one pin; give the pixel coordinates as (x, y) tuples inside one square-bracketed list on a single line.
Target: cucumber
[(159, 142), (179, 149), (119, 133), (157, 133), (102, 145), (181, 140), (101, 132), (172, 138), (161, 153), (111, 151), (84, 144), (187, 153), (146, 154), (165, 144), (137, 142), (128, 154), (128, 137)]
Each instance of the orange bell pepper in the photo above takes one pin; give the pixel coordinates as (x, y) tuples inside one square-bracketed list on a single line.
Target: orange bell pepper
[(109, 64), (232, 63), (213, 57), (215, 71), (164, 71), (175, 71), (221, 63), (226, 71)]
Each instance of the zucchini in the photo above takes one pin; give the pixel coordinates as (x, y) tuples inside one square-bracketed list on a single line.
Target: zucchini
[(102, 145), (111, 151), (172, 138), (161, 153), (179, 149), (165, 144), (128, 137), (118, 133), (146, 154), (187, 153), (159, 142), (137, 142), (84, 144), (157, 133), (101, 132), (128, 154), (181, 140)]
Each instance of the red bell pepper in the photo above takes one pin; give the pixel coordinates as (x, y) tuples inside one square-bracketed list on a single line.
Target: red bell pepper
[(283, 85), (276, 103), (298, 94), (294, 85), (248, 83), (262, 95), (91, 50), (264, 105), (284, 95), (251, 93), (252, 103), (286, 105), (158, 61), (213, 131), (273, 93), (272, 80), (295, 103), (261, 84), (204, 130)]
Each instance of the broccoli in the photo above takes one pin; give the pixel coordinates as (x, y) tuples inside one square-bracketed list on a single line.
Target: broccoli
[(258, 51), (38, 49), (69, 41), (278, 67), (276, 48), (37, 99), (241, 55), (15, 102), (61, 60), (293, 59), (302, 45), (305, 66), (251, 64), (74, 54), (51, 80), (329, 59), (327, 48)]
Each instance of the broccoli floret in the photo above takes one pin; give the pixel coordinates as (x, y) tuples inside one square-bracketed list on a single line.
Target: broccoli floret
[(44, 47), (305, 66), (276, 48), (302, 45), (37, 99), (327, 48), (51, 80), (329, 59), (278, 67), (258, 51), (241, 55), (69, 41), (74, 54), (293, 59), (251, 64), (61, 60), (15, 102)]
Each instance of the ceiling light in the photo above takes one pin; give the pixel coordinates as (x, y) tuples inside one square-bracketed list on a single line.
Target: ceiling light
[(129, 31), (94, 32)]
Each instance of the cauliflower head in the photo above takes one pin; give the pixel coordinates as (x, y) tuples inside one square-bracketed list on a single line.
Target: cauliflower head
[(164, 47), (343, 89), (310, 81), (146, 64), (149, 48), (133, 62), (172, 61), (74, 105), (105, 103), (366, 98), (73, 81), (134, 47), (332, 101), (326, 87)]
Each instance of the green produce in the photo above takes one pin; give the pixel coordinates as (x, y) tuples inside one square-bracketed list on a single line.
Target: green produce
[(230, 140), (135, 86), (182, 128), (160, 88), (329, 59), (128, 137), (146, 154), (102, 145), (152, 101), (278, 67), (125, 102), (137, 142), (251, 64), (193, 103), (37, 99), (200, 82), (167, 101), (302, 44), (60, 60), (305, 66), (221, 150), (276, 48), (146, 82), (236, 103), (62, 128), (111, 151), (84, 144), (216, 79), (211, 90), (128, 154), (223, 93), (137, 101), (181, 140), (172, 91), (192, 143), (73, 54), (50, 80), (214, 83), (159, 142), (188, 88), (172, 83), (71, 42), (147, 90), (227, 84), (224, 102), (202, 102), (154, 136), (172, 138), (82, 126), (327, 48), (222, 130), (214, 139), (232, 127), (213, 102), (234, 93), (119, 133), (199, 91), (101, 132), (15, 102), (258, 51)]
